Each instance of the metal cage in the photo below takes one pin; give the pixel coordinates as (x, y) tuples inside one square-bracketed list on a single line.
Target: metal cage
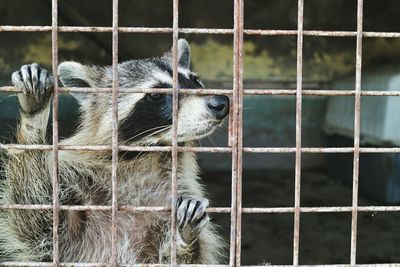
[(235, 146)]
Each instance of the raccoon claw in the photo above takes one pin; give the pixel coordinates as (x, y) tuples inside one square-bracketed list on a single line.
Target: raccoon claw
[(191, 218), (36, 84)]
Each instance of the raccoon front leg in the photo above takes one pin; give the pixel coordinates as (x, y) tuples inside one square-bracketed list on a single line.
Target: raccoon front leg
[(191, 219), (28, 173), (28, 170), (34, 101)]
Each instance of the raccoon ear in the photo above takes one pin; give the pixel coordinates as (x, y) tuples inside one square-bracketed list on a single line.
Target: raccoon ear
[(74, 74), (183, 53)]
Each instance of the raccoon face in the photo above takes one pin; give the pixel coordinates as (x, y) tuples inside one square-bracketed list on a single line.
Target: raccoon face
[(146, 119)]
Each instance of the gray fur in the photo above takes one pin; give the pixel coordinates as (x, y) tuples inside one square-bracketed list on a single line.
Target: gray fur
[(184, 53), (84, 177)]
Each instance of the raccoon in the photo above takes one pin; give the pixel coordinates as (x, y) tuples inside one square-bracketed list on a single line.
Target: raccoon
[(144, 179)]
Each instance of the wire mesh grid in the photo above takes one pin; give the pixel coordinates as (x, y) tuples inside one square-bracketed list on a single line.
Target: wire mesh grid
[(235, 147)]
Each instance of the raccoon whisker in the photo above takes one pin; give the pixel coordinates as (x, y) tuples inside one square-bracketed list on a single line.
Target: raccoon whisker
[(151, 142), (160, 138), (160, 129), (146, 131), (167, 127), (212, 140)]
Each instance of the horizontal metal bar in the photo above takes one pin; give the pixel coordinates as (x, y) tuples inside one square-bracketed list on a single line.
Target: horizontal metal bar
[(169, 265), (12, 28), (294, 32), (101, 208), (321, 149), (380, 149), (204, 149), (333, 265), (120, 148), (322, 209), (311, 92), (148, 90), (68, 264), (323, 33), (11, 89), (318, 209), (62, 264), (293, 149), (211, 209)]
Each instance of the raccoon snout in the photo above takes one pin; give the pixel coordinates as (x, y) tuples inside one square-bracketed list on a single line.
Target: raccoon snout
[(219, 106)]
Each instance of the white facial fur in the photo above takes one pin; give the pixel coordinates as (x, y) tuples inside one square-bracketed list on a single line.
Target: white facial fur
[(194, 120)]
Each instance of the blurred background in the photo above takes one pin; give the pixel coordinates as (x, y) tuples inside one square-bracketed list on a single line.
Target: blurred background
[(269, 121)]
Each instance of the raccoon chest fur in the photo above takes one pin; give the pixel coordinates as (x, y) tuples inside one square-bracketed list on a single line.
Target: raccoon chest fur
[(144, 181), (138, 237)]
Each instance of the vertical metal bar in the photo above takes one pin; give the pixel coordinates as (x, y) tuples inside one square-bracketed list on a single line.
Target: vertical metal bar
[(238, 104), (232, 248), (299, 85), (54, 52), (115, 85), (174, 170), (357, 125), (234, 142)]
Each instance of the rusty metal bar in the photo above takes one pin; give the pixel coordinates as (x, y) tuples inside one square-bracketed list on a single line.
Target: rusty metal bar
[(175, 95), (115, 85), (120, 148), (269, 32), (103, 208), (357, 127), (334, 265), (310, 92), (238, 111), (179, 149), (210, 210), (204, 149), (299, 86), (55, 181), (234, 127), (73, 264)]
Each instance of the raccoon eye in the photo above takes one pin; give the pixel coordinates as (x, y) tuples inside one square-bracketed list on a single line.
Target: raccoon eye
[(155, 98)]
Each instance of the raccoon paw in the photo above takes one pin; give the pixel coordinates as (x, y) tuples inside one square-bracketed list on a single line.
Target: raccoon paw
[(191, 218), (36, 84)]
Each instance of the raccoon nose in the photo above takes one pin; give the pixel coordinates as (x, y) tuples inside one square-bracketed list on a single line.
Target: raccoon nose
[(219, 106)]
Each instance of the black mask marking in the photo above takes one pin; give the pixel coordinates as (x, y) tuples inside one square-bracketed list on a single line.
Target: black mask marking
[(147, 117)]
